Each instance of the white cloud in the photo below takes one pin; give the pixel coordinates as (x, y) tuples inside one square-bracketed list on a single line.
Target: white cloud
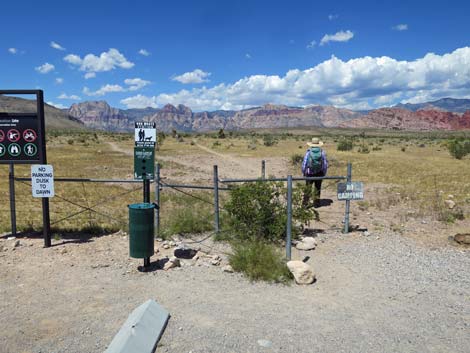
[(89, 75), (341, 36), (400, 27), (136, 83), (12, 50), (57, 105), (59, 80), (107, 61), (360, 83), (45, 68), (139, 101), (196, 76), (312, 44), (71, 97), (103, 90), (248, 56), (332, 17), (144, 52), (56, 46)]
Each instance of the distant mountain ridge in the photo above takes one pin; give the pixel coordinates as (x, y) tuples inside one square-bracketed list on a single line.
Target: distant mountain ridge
[(54, 118), (99, 115), (445, 104)]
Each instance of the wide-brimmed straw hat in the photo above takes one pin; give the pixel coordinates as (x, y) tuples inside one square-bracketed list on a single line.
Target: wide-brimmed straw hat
[(315, 142)]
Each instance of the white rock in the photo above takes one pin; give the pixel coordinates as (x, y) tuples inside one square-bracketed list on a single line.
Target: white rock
[(366, 233), (307, 243), (227, 268), (450, 204), (172, 243), (165, 246), (302, 272), (215, 262), (172, 263)]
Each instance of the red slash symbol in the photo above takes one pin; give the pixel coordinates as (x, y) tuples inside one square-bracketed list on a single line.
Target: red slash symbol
[(13, 135), (29, 135)]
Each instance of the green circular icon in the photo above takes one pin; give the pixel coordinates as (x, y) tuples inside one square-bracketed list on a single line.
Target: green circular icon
[(30, 149), (14, 149), (2, 150)]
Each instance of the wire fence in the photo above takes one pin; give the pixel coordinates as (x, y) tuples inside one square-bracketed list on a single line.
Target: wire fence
[(103, 206)]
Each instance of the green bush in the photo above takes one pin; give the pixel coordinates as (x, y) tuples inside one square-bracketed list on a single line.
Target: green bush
[(258, 211), (269, 140), (345, 144), (259, 261), (296, 159), (458, 148)]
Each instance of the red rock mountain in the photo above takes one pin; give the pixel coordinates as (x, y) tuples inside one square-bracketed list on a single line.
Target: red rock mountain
[(401, 119)]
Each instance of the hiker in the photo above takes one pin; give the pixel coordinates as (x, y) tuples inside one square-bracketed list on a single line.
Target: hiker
[(315, 164)]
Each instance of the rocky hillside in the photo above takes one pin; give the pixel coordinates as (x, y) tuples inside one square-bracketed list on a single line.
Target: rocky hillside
[(55, 118), (402, 119), (99, 115), (444, 104)]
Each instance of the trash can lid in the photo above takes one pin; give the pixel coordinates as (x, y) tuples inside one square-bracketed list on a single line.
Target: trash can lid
[(141, 206)]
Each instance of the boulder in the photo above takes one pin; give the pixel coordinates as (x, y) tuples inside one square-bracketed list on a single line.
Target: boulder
[(227, 268), (185, 253), (302, 272), (307, 243), (172, 263), (450, 204), (462, 238)]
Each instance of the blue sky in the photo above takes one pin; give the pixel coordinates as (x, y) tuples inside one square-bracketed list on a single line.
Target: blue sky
[(236, 54)]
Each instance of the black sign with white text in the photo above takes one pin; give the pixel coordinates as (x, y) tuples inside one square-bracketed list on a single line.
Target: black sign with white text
[(19, 138)]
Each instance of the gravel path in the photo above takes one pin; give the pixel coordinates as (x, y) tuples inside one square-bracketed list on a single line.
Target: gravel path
[(373, 294)]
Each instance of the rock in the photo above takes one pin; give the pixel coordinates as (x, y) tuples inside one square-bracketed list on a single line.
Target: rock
[(450, 204), (265, 343), (462, 238), (185, 253), (172, 243), (215, 262), (227, 268), (450, 197), (307, 243), (165, 246), (63, 250), (17, 243), (172, 263), (159, 240), (366, 233), (302, 272)]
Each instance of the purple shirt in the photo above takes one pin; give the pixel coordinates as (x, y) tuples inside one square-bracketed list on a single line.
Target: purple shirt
[(324, 164)]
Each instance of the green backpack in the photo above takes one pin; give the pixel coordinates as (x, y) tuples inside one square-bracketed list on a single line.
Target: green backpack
[(314, 161)]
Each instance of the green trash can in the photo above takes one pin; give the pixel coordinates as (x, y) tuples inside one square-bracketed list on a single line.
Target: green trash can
[(141, 228)]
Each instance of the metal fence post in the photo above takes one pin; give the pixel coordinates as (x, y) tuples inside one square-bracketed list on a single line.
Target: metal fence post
[(11, 179), (346, 211), (157, 198), (289, 218), (216, 199), (263, 169)]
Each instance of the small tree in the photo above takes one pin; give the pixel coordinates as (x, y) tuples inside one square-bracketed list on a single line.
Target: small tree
[(458, 148), (221, 134)]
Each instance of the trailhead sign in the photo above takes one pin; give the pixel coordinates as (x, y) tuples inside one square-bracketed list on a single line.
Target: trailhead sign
[(145, 134), (19, 142), (42, 180)]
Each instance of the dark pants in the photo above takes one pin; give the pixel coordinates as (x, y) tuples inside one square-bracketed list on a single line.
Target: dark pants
[(308, 191)]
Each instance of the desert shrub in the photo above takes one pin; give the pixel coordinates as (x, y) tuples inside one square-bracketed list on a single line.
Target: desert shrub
[(269, 140), (258, 211), (188, 220), (344, 144), (458, 148), (216, 144), (221, 134), (180, 139), (376, 148), (70, 141), (363, 149), (296, 159), (259, 261), (403, 149)]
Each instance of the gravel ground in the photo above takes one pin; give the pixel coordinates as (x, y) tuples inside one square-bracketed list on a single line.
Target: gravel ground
[(382, 293)]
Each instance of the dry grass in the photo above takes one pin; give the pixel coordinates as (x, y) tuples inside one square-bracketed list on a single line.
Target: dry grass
[(420, 178)]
